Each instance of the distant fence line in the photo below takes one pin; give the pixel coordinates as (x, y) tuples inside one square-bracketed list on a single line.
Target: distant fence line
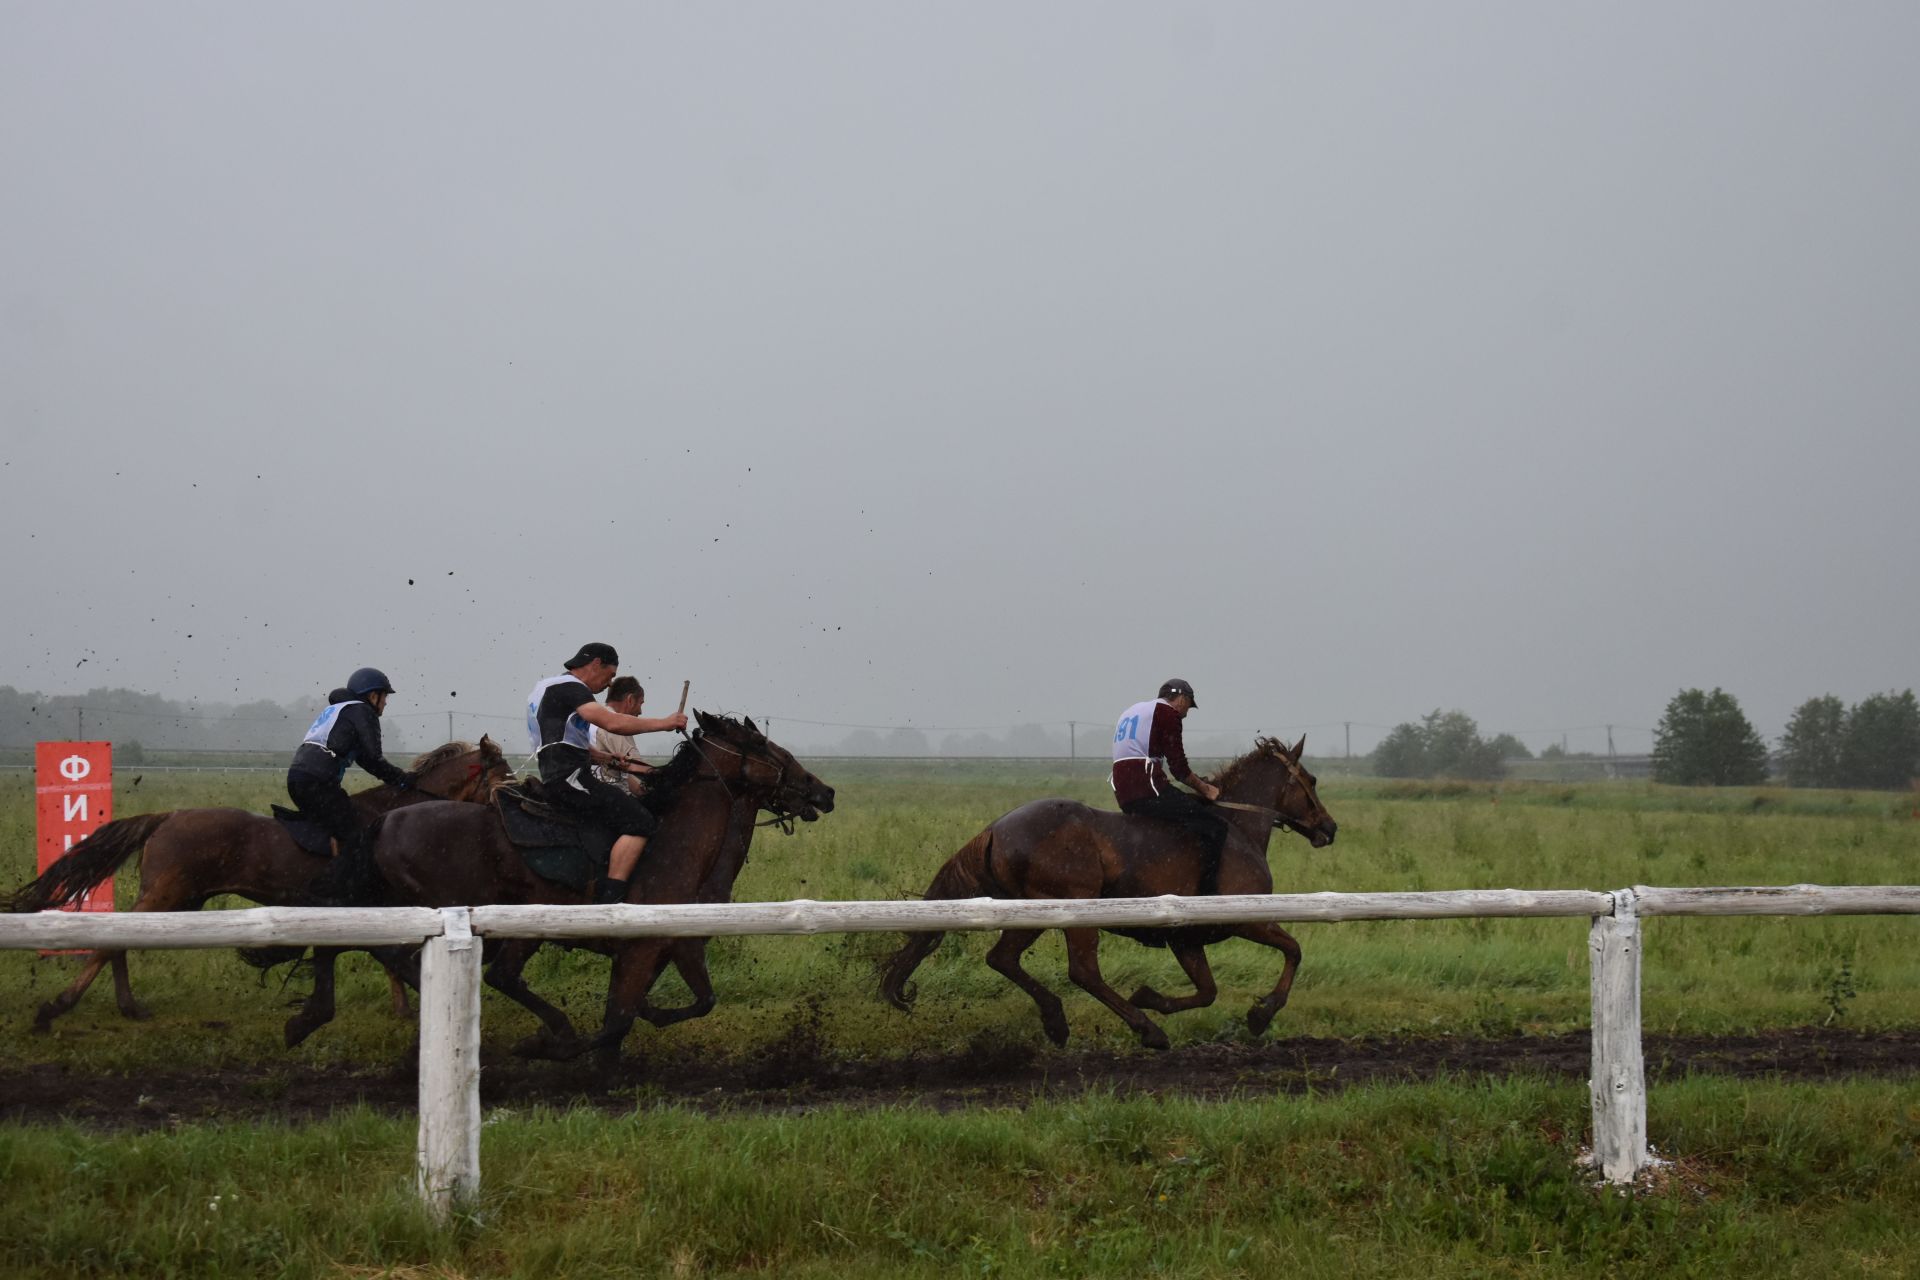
[(448, 1150)]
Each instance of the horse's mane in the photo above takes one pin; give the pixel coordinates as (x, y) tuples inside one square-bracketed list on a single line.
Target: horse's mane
[(433, 759), (1261, 747)]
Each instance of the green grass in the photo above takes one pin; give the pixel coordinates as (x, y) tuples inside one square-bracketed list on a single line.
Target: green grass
[(1447, 1179)]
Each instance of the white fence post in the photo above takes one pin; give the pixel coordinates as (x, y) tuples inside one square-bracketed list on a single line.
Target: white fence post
[(449, 1146), (1619, 1081)]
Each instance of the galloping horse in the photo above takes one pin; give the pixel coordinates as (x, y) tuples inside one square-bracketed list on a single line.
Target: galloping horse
[(442, 855), (1063, 849), (188, 856)]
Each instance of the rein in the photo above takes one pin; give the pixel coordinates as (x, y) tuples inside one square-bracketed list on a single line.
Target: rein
[(780, 818)]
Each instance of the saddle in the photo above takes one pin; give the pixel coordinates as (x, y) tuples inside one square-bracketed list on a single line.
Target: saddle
[(553, 843), (306, 833)]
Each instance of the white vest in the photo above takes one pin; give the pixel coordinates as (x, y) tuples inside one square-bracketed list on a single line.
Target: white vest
[(322, 727), (577, 731), (1135, 727)]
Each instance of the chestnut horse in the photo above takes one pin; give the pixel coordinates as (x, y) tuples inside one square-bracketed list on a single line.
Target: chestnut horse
[(188, 856), (443, 855), (1063, 849)]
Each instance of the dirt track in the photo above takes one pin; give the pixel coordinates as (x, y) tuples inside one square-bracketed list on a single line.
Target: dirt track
[(797, 1076)]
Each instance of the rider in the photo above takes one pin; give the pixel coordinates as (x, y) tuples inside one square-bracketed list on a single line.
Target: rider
[(1146, 746), (622, 766), (561, 712), (346, 733)]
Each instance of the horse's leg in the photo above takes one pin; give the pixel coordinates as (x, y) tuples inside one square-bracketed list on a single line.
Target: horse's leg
[(43, 1020), (1083, 966), (1193, 960), (397, 993), (123, 990), (317, 1011), (1271, 935), (689, 956), (556, 1038), (1004, 958), (636, 967), (160, 893)]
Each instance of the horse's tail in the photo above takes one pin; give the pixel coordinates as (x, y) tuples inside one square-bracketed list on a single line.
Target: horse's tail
[(965, 875), (87, 863)]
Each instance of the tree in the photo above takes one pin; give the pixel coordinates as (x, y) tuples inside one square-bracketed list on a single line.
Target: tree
[(1510, 747), (1444, 744), (1882, 746), (1705, 740), (1810, 749), (1401, 754)]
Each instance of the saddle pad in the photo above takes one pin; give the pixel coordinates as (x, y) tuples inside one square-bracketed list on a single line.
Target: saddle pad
[(309, 835), (551, 843)]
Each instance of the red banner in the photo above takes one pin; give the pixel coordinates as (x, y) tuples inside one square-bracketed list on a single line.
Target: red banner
[(73, 784)]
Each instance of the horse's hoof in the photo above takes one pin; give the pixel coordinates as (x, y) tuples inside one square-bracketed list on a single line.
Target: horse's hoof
[(299, 1029), (43, 1020), (1154, 1038), (1259, 1018), (1147, 998), (1056, 1028), (136, 1012)]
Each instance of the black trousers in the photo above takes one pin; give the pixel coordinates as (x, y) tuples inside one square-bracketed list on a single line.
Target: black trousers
[(591, 800), (324, 800), (352, 877), (1195, 815)]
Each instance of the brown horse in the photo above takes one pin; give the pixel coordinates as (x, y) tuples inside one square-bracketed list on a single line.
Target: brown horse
[(188, 856), (442, 855), (1063, 849)]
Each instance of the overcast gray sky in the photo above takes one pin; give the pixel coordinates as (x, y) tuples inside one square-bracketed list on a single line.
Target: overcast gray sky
[(967, 365)]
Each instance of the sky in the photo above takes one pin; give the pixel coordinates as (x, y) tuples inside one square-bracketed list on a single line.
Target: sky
[(967, 365)]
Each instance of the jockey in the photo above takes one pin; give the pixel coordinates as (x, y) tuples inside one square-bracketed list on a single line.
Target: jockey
[(346, 733), (1146, 747), (561, 713)]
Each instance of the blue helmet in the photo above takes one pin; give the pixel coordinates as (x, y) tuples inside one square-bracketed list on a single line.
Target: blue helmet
[(368, 680)]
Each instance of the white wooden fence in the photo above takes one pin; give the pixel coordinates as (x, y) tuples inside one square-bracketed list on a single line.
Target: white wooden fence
[(449, 1142)]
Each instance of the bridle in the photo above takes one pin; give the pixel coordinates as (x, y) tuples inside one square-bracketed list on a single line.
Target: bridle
[(1279, 819), (782, 817)]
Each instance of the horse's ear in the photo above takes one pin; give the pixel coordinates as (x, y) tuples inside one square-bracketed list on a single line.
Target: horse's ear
[(1299, 746), (752, 727)]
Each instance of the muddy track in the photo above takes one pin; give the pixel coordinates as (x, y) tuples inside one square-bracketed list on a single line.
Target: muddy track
[(797, 1076)]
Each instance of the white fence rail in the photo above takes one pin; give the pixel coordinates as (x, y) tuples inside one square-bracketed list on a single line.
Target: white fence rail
[(449, 1143)]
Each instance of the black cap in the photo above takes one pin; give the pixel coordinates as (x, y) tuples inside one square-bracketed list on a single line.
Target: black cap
[(1179, 688), (590, 651), (338, 696)]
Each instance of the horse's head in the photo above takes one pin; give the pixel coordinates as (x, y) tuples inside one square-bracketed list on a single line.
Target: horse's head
[(764, 769), (1298, 802), (464, 771)]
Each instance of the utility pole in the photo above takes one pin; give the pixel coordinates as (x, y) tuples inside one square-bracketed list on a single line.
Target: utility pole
[(1609, 742), (1073, 745), (1349, 725), (80, 722), (449, 726)]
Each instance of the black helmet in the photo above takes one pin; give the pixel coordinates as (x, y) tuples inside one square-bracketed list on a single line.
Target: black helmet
[(590, 651), (368, 680), (1176, 688)]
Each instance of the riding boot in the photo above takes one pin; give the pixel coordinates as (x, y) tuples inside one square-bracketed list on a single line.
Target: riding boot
[(610, 891)]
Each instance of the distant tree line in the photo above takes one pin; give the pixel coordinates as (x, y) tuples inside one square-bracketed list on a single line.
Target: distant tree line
[(136, 722), (1703, 740)]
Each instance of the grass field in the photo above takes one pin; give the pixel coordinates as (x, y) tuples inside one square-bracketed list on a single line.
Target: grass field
[(1465, 1177)]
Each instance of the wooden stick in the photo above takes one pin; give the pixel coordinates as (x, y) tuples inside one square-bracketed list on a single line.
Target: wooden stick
[(684, 684)]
